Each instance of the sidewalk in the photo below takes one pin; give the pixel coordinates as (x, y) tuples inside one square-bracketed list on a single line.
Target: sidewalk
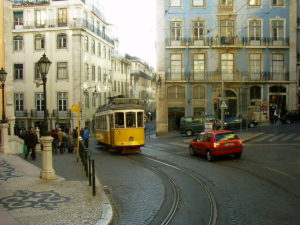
[(25, 199)]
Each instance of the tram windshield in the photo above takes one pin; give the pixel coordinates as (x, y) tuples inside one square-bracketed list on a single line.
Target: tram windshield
[(130, 119)]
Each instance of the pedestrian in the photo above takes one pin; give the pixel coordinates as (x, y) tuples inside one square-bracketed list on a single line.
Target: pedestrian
[(55, 140), (75, 136), (86, 135), (71, 142), (30, 141), (60, 135)]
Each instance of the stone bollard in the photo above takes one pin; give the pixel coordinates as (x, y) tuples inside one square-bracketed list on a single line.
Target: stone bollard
[(47, 172), (4, 147)]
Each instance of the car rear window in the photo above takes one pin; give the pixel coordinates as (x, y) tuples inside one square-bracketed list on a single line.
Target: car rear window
[(226, 136)]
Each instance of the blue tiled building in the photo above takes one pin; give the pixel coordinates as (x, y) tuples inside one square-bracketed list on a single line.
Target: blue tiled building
[(243, 51)]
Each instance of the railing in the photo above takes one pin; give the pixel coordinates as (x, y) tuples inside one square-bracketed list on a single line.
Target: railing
[(235, 41), (21, 113), (38, 114), (226, 76), (89, 165), (30, 2), (61, 114), (75, 24)]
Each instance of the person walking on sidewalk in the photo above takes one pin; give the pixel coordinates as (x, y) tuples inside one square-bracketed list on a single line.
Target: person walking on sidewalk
[(30, 141), (86, 135)]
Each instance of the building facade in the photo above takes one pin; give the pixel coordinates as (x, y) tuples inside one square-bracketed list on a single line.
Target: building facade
[(241, 51), (76, 38)]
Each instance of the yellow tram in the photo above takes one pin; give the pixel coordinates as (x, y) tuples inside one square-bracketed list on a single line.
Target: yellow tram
[(119, 125)]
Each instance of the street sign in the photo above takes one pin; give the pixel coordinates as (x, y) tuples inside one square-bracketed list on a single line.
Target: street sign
[(223, 103)]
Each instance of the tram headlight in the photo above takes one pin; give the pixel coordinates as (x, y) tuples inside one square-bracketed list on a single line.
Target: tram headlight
[(131, 138)]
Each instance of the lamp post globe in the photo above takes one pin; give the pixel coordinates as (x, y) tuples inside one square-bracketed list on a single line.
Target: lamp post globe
[(3, 75), (43, 66)]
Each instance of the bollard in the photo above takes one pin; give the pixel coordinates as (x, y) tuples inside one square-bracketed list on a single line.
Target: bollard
[(90, 171), (85, 163), (94, 179)]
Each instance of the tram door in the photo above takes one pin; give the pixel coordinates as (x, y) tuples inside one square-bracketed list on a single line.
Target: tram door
[(174, 115)]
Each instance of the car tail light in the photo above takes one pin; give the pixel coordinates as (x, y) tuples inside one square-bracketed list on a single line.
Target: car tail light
[(216, 144)]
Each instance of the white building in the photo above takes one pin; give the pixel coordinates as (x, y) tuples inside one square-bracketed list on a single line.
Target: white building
[(76, 38)]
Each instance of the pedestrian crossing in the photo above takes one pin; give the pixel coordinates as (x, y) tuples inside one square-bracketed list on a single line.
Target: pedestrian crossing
[(275, 138)]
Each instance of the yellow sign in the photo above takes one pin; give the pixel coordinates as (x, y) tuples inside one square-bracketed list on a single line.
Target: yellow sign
[(75, 108)]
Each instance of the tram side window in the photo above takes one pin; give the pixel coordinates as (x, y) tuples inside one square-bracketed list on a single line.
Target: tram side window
[(130, 119), (103, 122), (119, 117), (140, 119)]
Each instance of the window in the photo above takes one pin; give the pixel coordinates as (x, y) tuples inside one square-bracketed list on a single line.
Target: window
[(277, 30), (39, 101), (62, 101), (99, 74), (198, 66), (225, 2), (198, 92), (255, 30), (119, 119), (39, 42), (40, 18), (174, 3), (18, 43), (61, 41), (104, 52), (277, 2), (19, 102), (198, 30), (93, 73), (175, 66), (227, 66), (93, 47), (197, 3), (94, 101), (175, 30), (37, 74), (18, 19), (18, 71), (130, 119), (255, 66), (86, 72), (254, 3), (86, 43), (62, 70), (176, 92), (87, 100), (62, 17), (255, 93), (277, 66), (227, 31)]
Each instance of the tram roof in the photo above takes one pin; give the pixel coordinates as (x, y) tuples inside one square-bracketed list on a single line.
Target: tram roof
[(121, 104)]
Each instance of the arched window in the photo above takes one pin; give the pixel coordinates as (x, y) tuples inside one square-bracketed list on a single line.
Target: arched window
[(255, 93), (176, 92), (198, 92)]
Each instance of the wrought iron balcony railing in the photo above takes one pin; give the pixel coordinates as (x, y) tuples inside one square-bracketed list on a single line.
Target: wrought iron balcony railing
[(21, 113), (61, 114)]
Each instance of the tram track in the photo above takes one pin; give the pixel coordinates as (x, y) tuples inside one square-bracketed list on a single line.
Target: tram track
[(176, 190)]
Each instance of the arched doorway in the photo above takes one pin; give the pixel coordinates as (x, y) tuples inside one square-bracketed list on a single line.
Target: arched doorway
[(232, 104)]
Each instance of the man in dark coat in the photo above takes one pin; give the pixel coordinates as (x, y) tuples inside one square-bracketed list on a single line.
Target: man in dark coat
[(30, 141)]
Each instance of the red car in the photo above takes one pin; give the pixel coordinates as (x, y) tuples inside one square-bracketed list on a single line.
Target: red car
[(216, 143)]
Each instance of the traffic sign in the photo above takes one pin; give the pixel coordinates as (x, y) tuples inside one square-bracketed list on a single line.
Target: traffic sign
[(223, 103)]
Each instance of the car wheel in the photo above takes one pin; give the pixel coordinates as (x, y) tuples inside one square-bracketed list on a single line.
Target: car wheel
[(251, 125), (209, 156), (238, 155), (191, 151), (189, 133)]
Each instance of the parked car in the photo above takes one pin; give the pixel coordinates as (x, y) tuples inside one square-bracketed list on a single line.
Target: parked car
[(235, 122), (291, 116), (216, 143), (190, 125)]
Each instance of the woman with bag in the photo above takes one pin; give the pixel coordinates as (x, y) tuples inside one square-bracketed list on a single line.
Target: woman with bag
[(30, 141)]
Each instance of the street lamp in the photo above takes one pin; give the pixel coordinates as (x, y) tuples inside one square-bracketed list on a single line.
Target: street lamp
[(43, 65), (2, 80)]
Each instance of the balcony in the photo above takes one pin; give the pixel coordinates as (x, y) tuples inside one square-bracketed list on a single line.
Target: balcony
[(19, 114), (234, 77), (30, 2), (38, 114), (61, 114), (233, 42)]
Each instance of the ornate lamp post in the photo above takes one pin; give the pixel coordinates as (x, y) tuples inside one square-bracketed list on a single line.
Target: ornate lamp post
[(47, 172), (44, 65), (2, 80)]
